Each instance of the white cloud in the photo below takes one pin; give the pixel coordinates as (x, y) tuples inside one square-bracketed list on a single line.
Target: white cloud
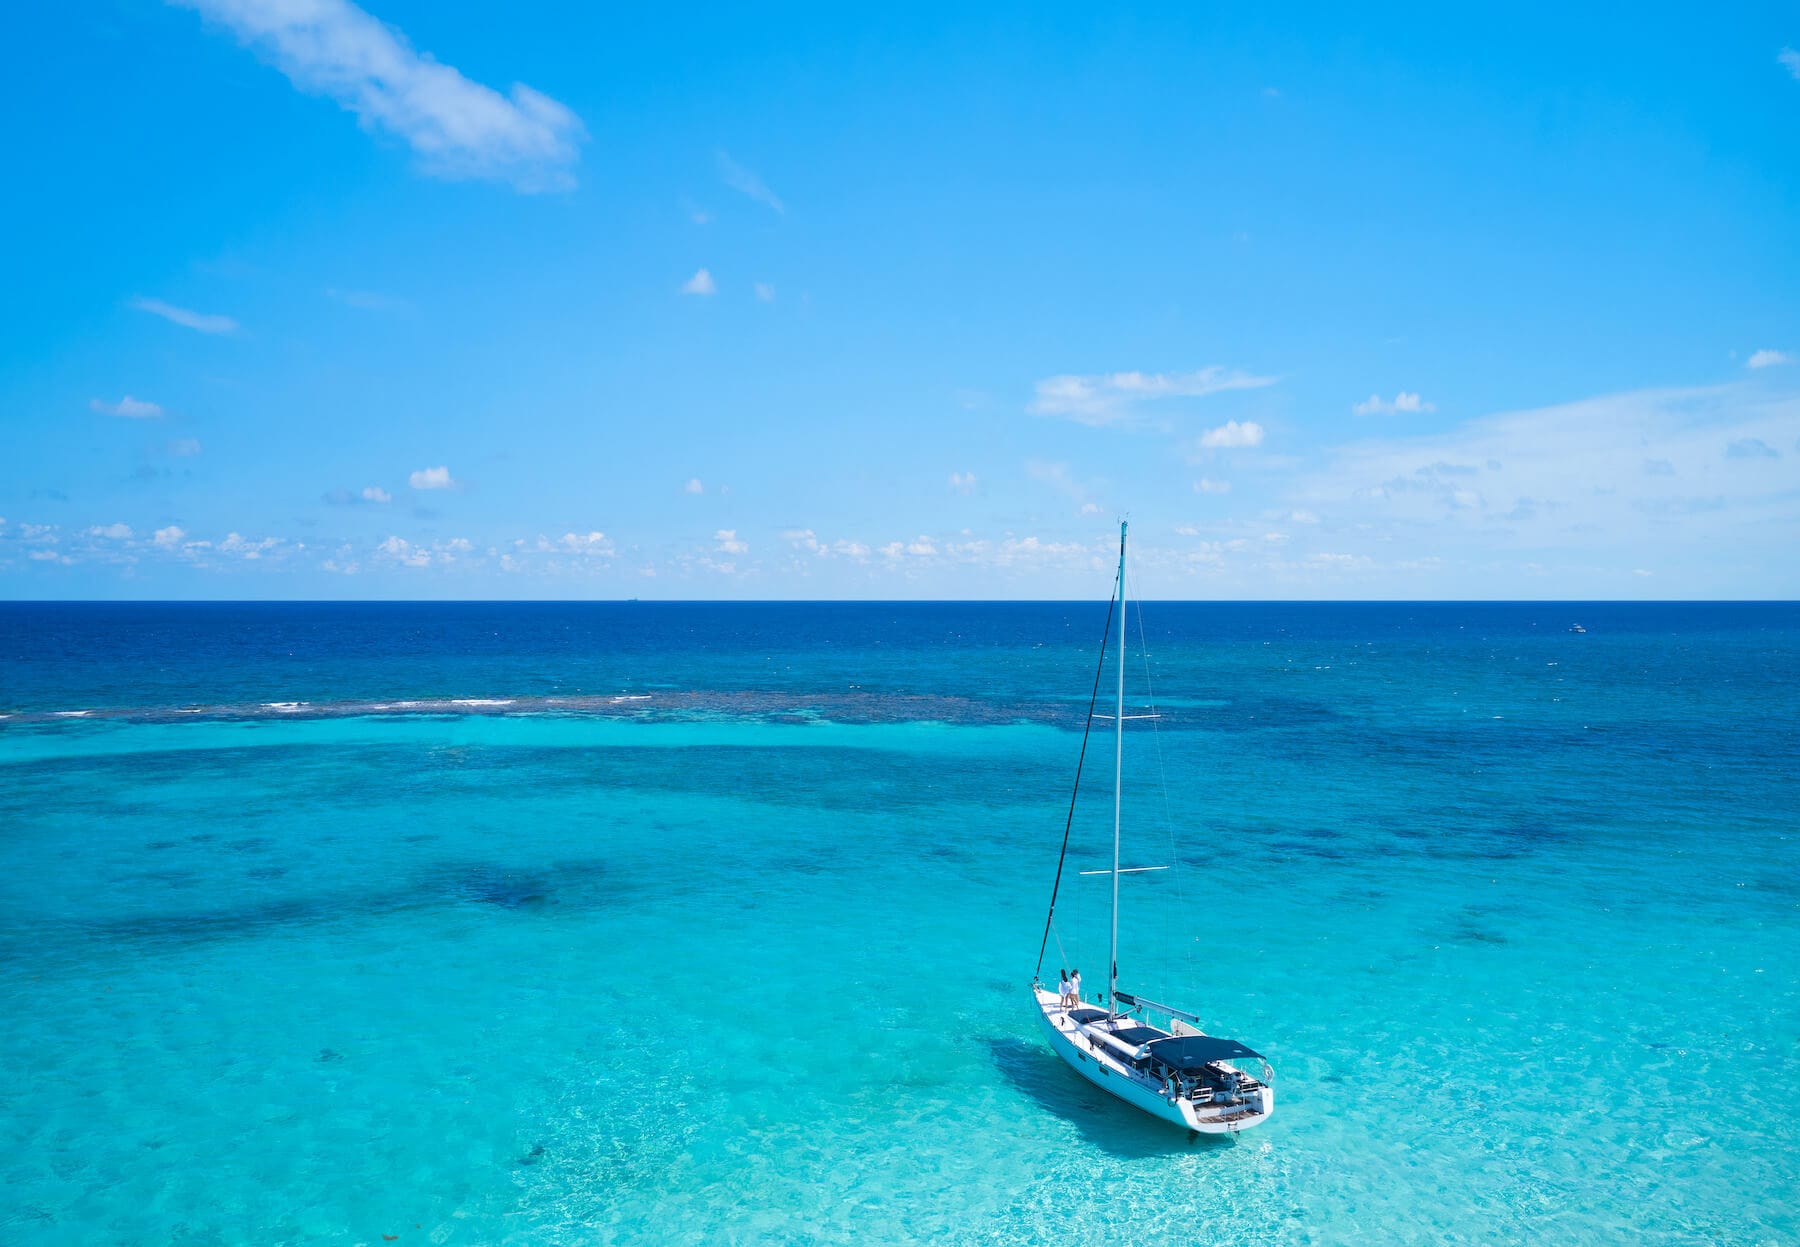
[(700, 283), (458, 128), (850, 549), (1031, 552), (1790, 58), (1110, 398), (404, 552), (1768, 359), (962, 482), (185, 446), (804, 539), (204, 322), (376, 494), (432, 478), (593, 543), (765, 292), (168, 537), (1303, 517), (1232, 436), (1090, 508), (114, 532), (693, 486), (741, 179), (728, 542), (1205, 486), (1403, 402), (1592, 481), (244, 548), (128, 407)]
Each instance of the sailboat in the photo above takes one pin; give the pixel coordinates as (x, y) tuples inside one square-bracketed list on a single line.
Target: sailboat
[(1153, 1056)]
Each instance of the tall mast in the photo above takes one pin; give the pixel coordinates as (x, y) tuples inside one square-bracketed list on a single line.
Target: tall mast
[(1112, 967)]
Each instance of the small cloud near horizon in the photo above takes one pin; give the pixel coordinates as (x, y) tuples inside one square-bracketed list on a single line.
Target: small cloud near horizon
[(1403, 403), (360, 497), (432, 478), (1232, 436), (1768, 359), (700, 283)]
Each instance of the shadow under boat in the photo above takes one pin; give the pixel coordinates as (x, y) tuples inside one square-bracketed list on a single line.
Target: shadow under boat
[(1103, 1120)]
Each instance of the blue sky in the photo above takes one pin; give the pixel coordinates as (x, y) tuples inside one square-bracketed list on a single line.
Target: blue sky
[(440, 300)]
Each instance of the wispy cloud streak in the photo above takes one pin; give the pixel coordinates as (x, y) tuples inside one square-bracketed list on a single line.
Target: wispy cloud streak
[(204, 322), (1112, 398), (458, 128), (741, 179)]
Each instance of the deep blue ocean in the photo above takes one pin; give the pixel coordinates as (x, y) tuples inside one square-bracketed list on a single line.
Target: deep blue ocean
[(692, 923)]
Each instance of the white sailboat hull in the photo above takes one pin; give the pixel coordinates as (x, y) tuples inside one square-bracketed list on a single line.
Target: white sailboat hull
[(1108, 1071)]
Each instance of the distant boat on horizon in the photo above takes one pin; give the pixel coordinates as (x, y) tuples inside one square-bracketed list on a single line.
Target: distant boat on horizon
[(1175, 1072), (1576, 628)]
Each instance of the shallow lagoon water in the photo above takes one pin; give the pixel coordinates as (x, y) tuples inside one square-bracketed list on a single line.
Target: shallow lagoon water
[(1513, 911)]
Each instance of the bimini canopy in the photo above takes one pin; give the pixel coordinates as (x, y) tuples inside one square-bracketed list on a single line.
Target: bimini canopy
[(1192, 1052)]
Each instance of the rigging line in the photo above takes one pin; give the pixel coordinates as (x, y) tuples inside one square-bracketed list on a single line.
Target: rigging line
[(1162, 771), (1060, 950), (1086, 731)]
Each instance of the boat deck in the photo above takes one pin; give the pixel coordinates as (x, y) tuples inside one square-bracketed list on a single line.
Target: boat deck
[(1216, 1096)]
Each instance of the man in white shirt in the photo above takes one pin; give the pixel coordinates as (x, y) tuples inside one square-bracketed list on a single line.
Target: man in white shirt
[(1075, 988)]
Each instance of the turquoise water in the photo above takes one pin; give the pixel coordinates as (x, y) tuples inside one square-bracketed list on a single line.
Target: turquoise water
[(1512, 911)]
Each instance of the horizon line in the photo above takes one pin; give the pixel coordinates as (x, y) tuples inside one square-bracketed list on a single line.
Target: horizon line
[(1597, 601)]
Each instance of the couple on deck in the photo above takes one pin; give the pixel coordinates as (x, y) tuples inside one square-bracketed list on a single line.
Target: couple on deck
[(1068, 989)]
